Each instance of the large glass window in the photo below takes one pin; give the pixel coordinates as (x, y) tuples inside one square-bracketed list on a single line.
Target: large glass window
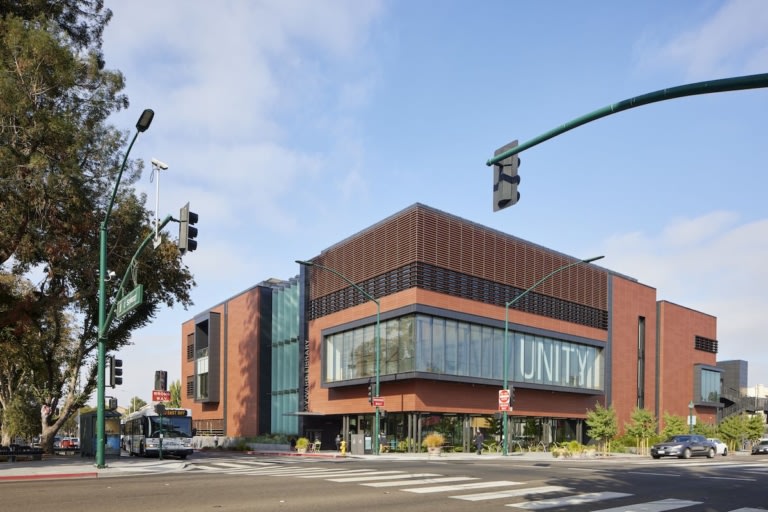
[(449, 347), (710, 386)]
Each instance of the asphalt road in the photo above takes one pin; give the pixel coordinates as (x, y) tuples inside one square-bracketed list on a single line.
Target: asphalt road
[(238, 483)]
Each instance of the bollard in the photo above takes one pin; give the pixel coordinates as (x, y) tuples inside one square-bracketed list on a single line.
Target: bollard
[(343, 447)]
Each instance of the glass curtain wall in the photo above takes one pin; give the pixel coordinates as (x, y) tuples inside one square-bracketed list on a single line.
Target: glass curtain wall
[(443, 346), (285, 358)]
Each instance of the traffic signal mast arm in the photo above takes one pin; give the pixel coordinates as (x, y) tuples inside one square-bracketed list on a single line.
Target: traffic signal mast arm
[(149, 238), (723, 85)]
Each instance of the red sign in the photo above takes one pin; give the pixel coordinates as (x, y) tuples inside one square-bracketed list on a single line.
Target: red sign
[(503, 399), (158, 395), (377, 401)]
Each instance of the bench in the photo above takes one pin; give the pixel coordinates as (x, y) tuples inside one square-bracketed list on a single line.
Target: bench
[(15, 453)]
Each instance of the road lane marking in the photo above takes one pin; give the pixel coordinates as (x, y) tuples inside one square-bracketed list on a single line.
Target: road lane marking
[(379, 476), (511, 493), (570, 501), (421, 481), (473, 485), (653, 506)]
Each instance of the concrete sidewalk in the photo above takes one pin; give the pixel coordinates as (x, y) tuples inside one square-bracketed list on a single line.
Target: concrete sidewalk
[(62, 467)]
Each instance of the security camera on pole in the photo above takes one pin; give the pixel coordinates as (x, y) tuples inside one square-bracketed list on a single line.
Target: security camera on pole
[(157, 166)]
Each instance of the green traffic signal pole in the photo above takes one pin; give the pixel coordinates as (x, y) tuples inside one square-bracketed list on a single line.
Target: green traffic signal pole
[(505, 446), (377, 342), (141, 126), (723, 85)]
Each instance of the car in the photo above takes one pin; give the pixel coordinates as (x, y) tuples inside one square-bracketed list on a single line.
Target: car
[(71, 443), (761, 447), (720, 447), (684, 447)]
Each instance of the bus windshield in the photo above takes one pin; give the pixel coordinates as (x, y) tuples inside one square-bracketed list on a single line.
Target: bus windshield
[(171, 426)]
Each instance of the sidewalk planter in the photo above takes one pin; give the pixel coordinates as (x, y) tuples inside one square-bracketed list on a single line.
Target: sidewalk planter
[(301, 445), (434, 443)]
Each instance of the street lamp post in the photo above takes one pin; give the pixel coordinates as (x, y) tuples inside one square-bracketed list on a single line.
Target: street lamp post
[(377, 341), (505, 445), (690, 416), (141, 126)]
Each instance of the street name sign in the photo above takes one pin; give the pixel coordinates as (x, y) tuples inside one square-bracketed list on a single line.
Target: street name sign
[(130, 300)]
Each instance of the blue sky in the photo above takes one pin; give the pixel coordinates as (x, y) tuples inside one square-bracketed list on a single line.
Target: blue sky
[(290, 125)]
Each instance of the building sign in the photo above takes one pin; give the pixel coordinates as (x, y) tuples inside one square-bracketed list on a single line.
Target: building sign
[(161, 396), (548, 361)]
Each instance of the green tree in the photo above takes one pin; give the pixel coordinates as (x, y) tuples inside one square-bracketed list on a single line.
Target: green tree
[(59, 158), (755, 427), (175, 393), (642, 427), (20, 419), (738, 429), (603, 426), (135, 404), (674, 425)]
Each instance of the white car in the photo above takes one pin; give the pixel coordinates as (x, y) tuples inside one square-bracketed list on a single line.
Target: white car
[(720, 447)]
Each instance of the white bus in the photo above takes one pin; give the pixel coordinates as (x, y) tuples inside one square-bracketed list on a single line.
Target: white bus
[(145, 430)]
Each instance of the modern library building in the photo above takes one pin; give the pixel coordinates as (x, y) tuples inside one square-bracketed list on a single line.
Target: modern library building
[(422, 319)]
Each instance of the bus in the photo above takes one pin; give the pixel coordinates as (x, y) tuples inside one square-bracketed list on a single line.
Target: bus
[(145, 430)]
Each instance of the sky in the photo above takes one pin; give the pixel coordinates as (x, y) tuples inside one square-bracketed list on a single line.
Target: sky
[(290, 125)]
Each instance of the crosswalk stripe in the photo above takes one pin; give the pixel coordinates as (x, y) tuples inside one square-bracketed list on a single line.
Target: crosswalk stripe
[(379, 476), (287, 471), (349, 472), (511, 493), (232, 465), (654, 506), (457, 487), (421, 481), (299, 472), (569, 501)]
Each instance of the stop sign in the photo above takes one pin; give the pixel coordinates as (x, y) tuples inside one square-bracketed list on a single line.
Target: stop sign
[(503, 399)]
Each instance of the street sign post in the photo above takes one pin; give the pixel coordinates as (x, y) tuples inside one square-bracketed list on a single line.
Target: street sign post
[(377, 401)]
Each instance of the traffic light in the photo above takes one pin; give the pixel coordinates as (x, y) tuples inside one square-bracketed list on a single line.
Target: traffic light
[(511, 395), (161, 380), (187, 231), (505, 179), (115, 371), (370, 394)]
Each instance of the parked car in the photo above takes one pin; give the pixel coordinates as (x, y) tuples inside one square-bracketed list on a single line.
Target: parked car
[(684, 447), (761, 447), (70, 443), (720, 447)]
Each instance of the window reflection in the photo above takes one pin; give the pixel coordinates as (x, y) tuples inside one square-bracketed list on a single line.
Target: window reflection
[(449, 347)]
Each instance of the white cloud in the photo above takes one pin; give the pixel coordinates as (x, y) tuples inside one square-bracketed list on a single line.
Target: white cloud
[(734, 40), (713, 264)]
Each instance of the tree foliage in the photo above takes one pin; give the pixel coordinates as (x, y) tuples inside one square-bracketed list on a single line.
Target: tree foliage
[(59, 159), (642, 427), (135, 404), (603, 425), (175, 393), (673, 426), (736, 430)]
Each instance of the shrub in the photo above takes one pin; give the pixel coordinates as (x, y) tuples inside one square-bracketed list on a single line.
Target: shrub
[(433, 440), (302, 442)]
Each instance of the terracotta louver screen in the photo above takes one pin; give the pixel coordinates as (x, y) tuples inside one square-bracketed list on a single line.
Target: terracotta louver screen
[(459, 256)]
